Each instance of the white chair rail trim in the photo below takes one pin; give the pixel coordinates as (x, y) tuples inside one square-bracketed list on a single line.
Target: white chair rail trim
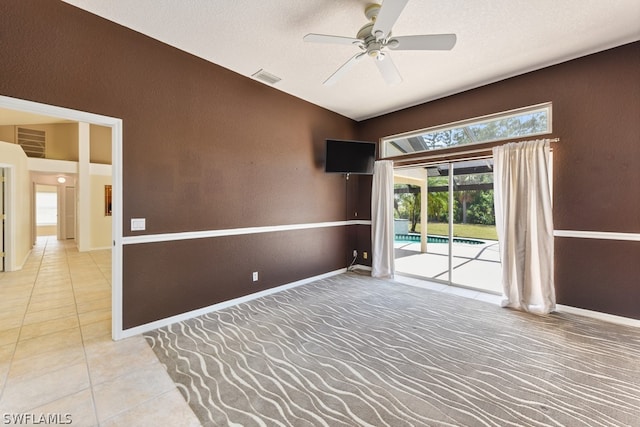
[(602, 235), (205, 234)]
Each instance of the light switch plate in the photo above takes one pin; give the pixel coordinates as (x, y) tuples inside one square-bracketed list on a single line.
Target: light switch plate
[(138, 224)]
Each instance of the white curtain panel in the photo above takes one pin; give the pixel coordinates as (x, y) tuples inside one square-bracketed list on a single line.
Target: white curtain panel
[(524, 221), (382, 264)]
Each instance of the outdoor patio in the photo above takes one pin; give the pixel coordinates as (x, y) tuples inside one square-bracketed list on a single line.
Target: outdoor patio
[(475, 266)]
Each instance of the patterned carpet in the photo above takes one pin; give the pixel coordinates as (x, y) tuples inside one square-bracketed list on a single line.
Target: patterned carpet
[(355, 351)]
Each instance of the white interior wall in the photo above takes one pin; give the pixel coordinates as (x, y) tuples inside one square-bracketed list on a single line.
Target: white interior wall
[(18, 233)]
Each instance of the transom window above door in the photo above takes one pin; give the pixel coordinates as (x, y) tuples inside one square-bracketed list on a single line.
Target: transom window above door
[(523, 122)]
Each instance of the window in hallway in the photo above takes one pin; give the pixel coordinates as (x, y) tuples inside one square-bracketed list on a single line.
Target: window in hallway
[(46, 209)]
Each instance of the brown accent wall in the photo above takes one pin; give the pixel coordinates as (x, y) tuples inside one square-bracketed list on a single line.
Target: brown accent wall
[(204, 148), (596, 115), (200, 272), (599, 274), (359, 198)]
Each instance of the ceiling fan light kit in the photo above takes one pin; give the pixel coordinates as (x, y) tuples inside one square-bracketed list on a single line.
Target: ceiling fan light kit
[(375, 36)]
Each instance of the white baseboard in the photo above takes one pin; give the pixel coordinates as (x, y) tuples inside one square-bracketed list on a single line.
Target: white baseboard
[(24, 261), (205, 310), (199, 312), (612, 318)]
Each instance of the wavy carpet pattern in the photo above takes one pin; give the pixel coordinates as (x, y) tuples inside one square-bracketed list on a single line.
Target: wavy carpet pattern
[(355, 351)]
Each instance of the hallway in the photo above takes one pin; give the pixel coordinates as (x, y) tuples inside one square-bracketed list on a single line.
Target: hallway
[(56, 353)]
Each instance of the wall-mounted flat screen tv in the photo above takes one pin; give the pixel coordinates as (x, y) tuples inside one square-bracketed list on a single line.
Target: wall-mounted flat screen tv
[(355, 157)]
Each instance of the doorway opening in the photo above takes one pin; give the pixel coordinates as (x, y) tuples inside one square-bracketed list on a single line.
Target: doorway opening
[(19, 229), (445, 224)]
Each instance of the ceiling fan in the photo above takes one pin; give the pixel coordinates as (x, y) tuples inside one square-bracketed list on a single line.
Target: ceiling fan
[(374, 38)]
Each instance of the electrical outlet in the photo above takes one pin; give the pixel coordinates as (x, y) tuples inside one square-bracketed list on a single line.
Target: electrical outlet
[(138, 224), (365, 255), (355, 253), (255, 276)]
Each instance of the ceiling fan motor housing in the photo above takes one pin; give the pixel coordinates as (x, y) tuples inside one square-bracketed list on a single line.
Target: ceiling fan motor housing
[(371, 45)]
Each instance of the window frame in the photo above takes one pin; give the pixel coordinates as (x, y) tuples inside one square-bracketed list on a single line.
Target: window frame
[(40, 198), (466, 122)]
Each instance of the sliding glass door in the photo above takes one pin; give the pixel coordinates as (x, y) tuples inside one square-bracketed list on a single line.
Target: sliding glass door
[(453, 239), (475, 241)]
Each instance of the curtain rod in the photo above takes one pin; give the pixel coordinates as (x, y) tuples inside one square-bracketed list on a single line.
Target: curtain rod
[(439, 157)]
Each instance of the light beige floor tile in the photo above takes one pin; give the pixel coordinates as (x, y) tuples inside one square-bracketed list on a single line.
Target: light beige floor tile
[(15, 294), (94, 316), (50, 314), (97, 304), (23, 395), (169, 409), (92, 294), (11, 320), (88, 277), (52, 291), (96, 330), (52, 277), (78, 407), (46, 343), (19, 277), (110, 359), (11, 310), (125, 392), (49, 326), (9, 336), (6, 353), (37, 365), (95, 282), (9, 300), (49, 304)]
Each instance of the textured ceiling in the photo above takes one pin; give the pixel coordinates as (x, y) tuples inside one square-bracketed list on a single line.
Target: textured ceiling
[(496, 39)]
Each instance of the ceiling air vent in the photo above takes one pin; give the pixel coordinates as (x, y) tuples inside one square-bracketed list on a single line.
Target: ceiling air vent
[(266, 77), (32, 142)]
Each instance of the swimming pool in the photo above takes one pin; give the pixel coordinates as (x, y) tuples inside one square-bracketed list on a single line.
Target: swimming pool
[(414, 237)]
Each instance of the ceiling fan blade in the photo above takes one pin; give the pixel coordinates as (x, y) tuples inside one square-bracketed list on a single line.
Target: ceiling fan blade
[(388, 15), (424, 42), (333, 78), (325, 38), (388, 70)]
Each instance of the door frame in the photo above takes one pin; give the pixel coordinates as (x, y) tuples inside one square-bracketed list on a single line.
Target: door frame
[(3, 206), (9, 210), (116, 155)]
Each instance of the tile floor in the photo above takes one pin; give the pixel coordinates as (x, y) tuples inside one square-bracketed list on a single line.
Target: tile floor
[(56, 352)]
